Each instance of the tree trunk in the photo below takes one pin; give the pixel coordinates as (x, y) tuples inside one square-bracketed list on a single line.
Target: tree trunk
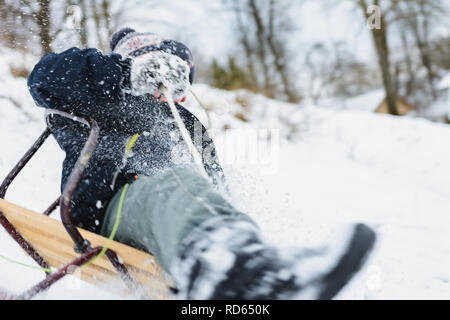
[(44, 26), (83, 25), (260, 34), (98, 26), (244, 40), (107, 17), (279, 56), (409, 65), (381, 45), (423, 46)]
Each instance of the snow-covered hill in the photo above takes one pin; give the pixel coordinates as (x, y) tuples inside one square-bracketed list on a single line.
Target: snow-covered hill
[(320, 169)]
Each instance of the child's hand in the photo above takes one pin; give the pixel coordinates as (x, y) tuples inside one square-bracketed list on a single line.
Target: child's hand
[(151, 70)]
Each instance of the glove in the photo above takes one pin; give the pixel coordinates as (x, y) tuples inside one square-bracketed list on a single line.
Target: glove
[(150, 71)]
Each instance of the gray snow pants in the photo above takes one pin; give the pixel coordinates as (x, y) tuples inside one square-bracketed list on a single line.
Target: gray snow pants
[(160, 211)]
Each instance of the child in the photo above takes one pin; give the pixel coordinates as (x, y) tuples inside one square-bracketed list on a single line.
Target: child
[(211, 250)]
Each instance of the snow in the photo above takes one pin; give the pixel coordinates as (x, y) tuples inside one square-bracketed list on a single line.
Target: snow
[(445, 82), (338, 167), (365, 102), (438, 111)]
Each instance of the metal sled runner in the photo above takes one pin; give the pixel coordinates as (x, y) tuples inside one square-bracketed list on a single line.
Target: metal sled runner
[(68, 249)]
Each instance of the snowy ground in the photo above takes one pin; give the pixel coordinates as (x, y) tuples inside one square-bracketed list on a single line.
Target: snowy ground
[(340, 167)]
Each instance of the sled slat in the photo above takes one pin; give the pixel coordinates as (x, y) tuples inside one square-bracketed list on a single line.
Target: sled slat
[(51, 240)]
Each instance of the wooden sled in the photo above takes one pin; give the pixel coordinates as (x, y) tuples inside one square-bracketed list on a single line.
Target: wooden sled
[(50, 239), (70, 250)]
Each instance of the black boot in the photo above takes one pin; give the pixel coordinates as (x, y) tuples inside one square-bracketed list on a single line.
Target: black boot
[(227, 259)]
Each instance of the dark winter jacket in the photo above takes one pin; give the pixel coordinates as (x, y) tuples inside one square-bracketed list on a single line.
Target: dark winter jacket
[(88, 83)]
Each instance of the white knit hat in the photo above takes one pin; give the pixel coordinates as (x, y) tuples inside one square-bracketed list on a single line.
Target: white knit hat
[(135, 43)]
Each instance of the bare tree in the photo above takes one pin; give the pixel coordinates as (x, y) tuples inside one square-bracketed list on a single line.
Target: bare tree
[(335, 71), (14, 25), (107, 15), (43, 22), (83, 24), (421, 31), (96, 16), (26, 19), (409, 64), (279, 51), (261, 48), (318, 68), (440, 49), (263, 27), (380, 39), (417, 17), (106, 10), (243, 31)]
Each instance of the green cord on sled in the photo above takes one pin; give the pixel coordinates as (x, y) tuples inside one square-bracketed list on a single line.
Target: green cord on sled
[(130, 146)]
